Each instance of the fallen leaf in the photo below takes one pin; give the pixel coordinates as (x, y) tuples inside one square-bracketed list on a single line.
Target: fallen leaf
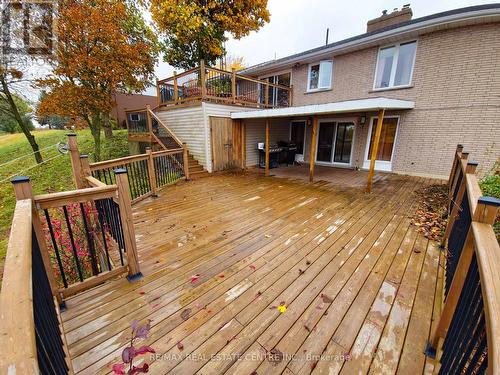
[(142, 293), (194, 278), (252, 267), (185, 314), (326, 299), (180, 345), (221, 276), (282, 308)]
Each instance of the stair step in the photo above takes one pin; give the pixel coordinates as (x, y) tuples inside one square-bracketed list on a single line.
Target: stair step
[(195, 168), (198, 174)]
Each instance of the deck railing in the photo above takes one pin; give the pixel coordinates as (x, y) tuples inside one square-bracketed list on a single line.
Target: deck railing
[(31, 333), (146, 125), (208, 83), (467, 338)]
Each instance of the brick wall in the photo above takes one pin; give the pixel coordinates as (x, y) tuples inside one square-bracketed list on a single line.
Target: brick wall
[(456, 89)]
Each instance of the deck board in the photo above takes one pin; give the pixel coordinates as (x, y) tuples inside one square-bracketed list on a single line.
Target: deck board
[(347, 266)]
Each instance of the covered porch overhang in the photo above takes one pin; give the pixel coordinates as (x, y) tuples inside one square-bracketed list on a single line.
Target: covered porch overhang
[(370, 105)]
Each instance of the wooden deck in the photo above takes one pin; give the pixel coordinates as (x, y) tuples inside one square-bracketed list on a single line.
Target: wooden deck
[(353, 274)]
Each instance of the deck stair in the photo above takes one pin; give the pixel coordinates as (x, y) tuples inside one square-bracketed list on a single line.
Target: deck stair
[(165, 139)]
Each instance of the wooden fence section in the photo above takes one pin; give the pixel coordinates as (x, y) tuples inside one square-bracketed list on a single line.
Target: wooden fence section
[(467, 338), (207, 83), (31, 332)]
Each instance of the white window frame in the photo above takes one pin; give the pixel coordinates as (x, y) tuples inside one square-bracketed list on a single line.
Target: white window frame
[(380, 165), (309, 89), (336, 121), (394, 66)]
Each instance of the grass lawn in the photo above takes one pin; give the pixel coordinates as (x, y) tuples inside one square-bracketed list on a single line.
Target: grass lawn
[(53, 176)]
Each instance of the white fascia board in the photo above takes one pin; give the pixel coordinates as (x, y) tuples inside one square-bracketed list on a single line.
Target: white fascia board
[(360, 105)]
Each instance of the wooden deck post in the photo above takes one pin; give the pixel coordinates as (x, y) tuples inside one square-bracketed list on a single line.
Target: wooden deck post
[(158, 93), (373, 157), (84, 162), (148, 121), (151, 172), (267, 147), (266, 95), (243, 145), (24, 190), (203, 79), (74, 155), (124, 202), (233, 85), (176, 88), (312, 154), (185, 159)]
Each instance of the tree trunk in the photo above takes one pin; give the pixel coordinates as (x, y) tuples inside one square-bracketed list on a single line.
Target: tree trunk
[(106, 124), (95, 130), (22, 125)]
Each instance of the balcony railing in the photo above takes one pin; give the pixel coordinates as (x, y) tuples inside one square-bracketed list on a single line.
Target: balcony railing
[(205, 83)]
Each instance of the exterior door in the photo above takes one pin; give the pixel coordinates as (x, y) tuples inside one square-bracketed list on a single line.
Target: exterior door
[(385, 151), (226, 143), (297, 136), (325, 142)]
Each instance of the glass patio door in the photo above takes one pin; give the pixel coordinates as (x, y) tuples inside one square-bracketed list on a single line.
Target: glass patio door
[(343, 142), (335, 142)]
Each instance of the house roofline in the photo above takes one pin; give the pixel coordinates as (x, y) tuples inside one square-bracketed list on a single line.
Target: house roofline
[(461, 16)]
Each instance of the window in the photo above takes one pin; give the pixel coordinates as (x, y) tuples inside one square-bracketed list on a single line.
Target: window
[(134, 117), (320, 76), (395, 65)]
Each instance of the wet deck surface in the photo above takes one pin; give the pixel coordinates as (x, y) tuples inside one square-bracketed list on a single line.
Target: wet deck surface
[(289, 278)]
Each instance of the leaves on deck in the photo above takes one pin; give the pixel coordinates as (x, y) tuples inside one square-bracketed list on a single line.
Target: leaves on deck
[(431, 215), (325, 298), (194, 278), (185, 314), (180, 345)]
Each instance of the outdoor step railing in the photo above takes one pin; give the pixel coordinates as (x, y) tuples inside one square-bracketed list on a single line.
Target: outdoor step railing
[(208, 83), (467, 337)]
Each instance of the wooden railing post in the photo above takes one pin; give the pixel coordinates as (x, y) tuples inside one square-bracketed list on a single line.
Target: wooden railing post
[(266, 95), (158, 93), (151, 172), (84, 163), (203, 79), (233, 85), (74, 155), (290, 96), (148, 120), (185, 158), (267, 147), (124, 202), (176, 88), (23, 190)]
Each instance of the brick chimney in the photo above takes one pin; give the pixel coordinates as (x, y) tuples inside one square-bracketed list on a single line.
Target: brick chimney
[(394, 18)]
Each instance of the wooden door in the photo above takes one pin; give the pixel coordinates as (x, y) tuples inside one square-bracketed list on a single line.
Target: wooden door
[(226, 143)]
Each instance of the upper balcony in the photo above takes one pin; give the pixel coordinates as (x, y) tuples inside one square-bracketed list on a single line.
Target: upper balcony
[(205, 83)]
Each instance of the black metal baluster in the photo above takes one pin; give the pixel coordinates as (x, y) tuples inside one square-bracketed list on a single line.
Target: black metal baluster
[(90, 242), (56, 249), (103, 232), (75, 254)]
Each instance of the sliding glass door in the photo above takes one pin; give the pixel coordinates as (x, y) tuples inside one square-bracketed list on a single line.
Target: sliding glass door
[(335, 141)]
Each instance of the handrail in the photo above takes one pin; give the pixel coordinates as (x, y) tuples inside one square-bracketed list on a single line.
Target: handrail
[(488, 256), (117, 161), (17, 331), (468, 334), (160, 122), (184, 73)]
